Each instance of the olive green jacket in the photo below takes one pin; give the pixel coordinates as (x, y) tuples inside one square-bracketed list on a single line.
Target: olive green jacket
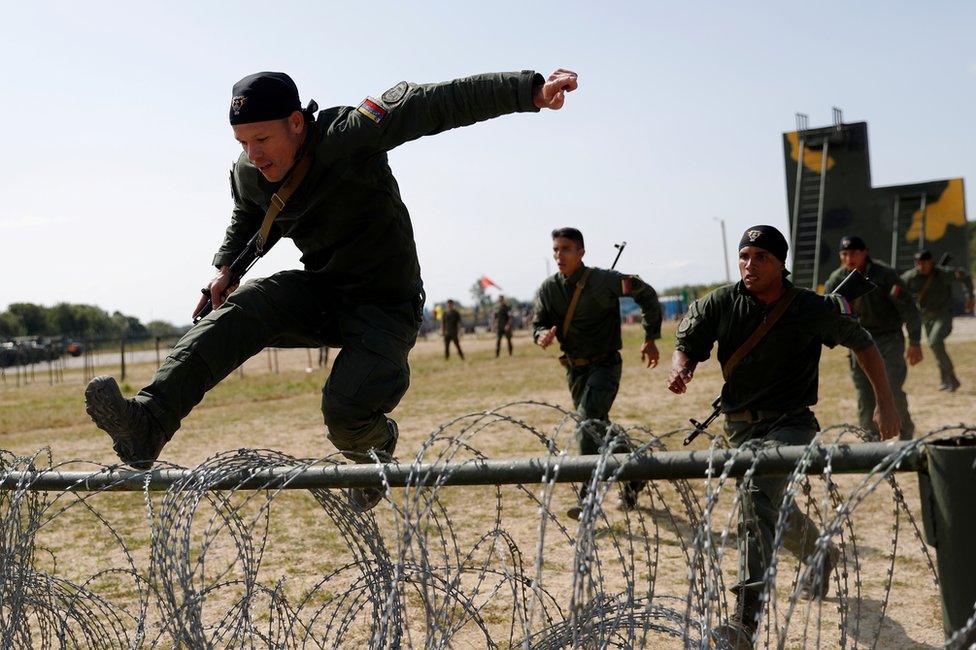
[(883, 310), (937, 299), (782, 372), (346, 217), (595, 329)]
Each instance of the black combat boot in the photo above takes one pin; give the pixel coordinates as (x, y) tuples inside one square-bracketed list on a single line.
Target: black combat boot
[(740, 630), (137, 436), (953, 384), (363, 499), (815, 584)]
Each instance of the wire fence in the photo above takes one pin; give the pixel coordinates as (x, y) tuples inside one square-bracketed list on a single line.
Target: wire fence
[(211, 563), (120, 356)]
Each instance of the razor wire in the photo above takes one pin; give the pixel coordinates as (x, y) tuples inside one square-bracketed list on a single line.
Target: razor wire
[(437, 566)]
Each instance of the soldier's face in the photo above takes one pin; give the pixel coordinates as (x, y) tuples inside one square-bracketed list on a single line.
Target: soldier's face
[(567, 254), (854, 259), (924, 266), (759, 269), (272, 146)]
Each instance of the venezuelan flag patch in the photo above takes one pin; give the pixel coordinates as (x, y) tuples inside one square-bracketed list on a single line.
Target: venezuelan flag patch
[(372, 109)]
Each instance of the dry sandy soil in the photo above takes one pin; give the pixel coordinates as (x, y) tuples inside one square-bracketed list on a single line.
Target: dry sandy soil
[(262, 409)]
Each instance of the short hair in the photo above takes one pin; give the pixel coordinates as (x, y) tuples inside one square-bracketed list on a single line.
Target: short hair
[(450, 301), (569, 233), (923, 256)]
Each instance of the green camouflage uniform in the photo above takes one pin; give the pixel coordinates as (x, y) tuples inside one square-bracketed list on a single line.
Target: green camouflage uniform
[(452, 332), (593, 338), (360, 288), (503, 320), (882, 313), (768, 397), (934, 297)]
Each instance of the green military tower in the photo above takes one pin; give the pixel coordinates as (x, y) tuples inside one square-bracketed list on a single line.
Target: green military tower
[(829, 193)]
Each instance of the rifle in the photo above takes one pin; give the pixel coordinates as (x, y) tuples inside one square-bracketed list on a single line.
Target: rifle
[(620, 249), (850, 289), (241, 265)]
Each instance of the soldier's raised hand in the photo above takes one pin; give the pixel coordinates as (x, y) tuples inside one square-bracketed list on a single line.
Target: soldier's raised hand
[(545, 339), (552, 93)]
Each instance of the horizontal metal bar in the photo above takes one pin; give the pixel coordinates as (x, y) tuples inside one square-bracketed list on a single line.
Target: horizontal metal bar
[(666, 465)]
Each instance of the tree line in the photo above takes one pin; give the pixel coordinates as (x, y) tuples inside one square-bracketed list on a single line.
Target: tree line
[(77, 321)]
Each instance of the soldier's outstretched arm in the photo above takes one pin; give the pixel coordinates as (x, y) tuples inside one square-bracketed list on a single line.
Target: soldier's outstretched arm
[(682, 372), (885, 414), (908, 310), (645, 296), (408, 111)]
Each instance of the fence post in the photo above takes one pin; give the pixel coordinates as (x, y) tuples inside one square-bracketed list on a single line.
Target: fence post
[(948, 499), (122, 355), (157, 352)]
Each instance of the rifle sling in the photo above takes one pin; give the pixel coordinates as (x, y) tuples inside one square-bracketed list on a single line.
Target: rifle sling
[(575, 301), (759, 333), (279, 198), (925, 288)]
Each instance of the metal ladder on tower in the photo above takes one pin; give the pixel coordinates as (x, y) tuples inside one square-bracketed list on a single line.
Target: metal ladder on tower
[(808, 201), (903, 213)]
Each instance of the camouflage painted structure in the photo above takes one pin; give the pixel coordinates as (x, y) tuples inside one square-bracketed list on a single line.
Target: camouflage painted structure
[(829, 192)]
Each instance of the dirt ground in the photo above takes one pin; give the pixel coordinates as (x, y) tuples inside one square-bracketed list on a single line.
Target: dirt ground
[(267, 410)]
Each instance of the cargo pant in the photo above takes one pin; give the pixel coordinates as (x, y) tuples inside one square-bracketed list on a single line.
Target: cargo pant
[(594, 387), (937, 329), (448, 339), (892, 348), (761, 500), (296, 309)]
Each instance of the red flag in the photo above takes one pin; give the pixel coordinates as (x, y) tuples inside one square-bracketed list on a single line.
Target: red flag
[(487, 282)]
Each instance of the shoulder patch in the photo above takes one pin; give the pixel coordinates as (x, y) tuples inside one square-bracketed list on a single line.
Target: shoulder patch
[(372, 109), (395, 94)]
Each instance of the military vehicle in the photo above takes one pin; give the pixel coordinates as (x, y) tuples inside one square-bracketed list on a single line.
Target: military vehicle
[(829, 195)]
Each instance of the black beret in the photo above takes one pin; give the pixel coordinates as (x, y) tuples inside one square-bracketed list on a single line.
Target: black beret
[(263, 96), (767, 238), (921, 256), (852, 243)]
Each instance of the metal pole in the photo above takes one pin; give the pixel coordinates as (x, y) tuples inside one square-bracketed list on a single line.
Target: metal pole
[(894, 235), (796, 187), (921, 230), (725, 252), (666, 465)]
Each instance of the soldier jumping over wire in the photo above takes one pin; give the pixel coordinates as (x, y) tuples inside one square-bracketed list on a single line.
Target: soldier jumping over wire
[(360, 288), (579, 306), (771, 382)]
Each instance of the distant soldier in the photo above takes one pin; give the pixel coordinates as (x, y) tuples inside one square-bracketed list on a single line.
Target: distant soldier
[(931, 287), (770, 384), (503, 326), (579, 306), (451, 329), (882, 313)]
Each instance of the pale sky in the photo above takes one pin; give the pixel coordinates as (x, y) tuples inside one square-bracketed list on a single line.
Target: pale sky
[(114, 174)]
